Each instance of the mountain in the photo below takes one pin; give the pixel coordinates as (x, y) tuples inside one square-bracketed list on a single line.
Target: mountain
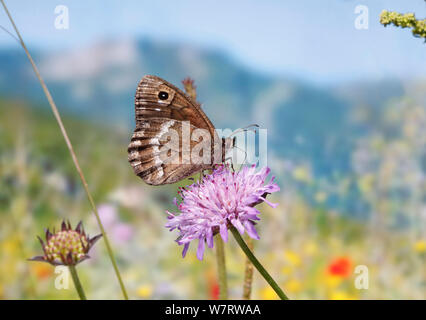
[(304, 122)]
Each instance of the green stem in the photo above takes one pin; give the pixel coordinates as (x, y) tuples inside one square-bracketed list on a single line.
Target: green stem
[(258, 265), (221, 268), (71, 150), (77, 283), (248, 273)]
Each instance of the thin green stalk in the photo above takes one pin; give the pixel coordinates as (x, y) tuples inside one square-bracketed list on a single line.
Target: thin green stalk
[(77, 283), (248, 273), (258, 265), (71, 150), (221, 268)]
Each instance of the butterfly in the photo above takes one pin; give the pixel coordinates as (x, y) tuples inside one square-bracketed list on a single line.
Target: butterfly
[(164, 113)]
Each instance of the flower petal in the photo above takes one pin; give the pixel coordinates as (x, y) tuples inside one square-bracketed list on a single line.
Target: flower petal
[(251, 230), (238, 225), (223, 232), (185, 249), (209, 238), (200, 249)]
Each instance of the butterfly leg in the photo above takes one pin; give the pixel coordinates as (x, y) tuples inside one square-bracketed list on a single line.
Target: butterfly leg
[(231, 163), (201, 175)]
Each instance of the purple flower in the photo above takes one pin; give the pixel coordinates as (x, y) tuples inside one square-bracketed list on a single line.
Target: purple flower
[(108, 215), (222, 199), (120, 232)]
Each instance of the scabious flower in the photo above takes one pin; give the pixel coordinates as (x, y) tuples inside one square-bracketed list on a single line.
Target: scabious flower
[(66, 247), (222, 199)]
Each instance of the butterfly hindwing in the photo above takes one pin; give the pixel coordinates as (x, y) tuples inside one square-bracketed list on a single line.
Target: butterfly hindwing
[(158, 155)]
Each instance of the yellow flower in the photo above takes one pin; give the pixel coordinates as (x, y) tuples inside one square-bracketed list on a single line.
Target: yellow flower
[(293, 258), (332, 281), (366, 182), (320, 197), (302, 174), (268, 293), (287, 270), (341, 295), (293, 286), (420, 246), (11, 246), (144, 291), (310, 248)]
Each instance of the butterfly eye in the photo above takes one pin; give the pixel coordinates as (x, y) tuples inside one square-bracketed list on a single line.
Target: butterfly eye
[(163, 95)]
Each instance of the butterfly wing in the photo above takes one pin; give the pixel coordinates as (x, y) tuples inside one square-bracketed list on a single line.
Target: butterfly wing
[(159, 155), (173, 104)]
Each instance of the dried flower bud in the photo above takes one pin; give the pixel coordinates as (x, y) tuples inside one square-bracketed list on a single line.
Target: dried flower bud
[(190, 88), (66, 247)]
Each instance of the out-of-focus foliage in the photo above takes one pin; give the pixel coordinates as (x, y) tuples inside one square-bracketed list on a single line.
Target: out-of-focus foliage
[(407, 20), (311, 246)]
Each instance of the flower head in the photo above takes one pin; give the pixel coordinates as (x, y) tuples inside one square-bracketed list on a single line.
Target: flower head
[(67, 246), (222, 199), (340, 267)]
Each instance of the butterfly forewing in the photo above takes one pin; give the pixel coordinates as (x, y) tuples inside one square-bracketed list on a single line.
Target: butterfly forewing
[(156, 98)]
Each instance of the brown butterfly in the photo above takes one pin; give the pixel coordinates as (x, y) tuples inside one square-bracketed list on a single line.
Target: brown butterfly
[(163, 111)]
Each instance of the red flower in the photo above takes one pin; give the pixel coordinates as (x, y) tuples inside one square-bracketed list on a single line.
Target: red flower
[(340, 266), (214, 291)]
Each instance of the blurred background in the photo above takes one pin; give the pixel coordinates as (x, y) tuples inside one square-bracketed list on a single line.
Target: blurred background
[(345, 110)]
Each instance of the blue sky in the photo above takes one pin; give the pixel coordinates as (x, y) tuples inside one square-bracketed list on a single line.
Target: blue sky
[(311, 39)]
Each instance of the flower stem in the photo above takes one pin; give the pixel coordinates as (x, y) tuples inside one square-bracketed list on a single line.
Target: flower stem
[(71, 150), (77, 282), (221, 268), (248, 273), (257, 264)]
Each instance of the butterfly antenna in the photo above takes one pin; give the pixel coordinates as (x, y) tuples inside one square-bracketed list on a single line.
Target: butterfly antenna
[(251, 127), (245, 157)]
